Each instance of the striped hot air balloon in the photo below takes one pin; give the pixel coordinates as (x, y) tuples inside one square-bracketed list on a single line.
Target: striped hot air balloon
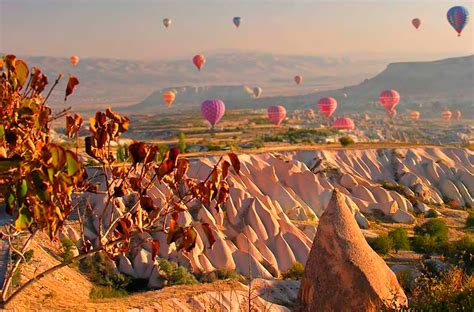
[(457, 115), (343, 123), (213, 110), (276, 114), (74, 60), (257, 91), (389, 99), (458, 17), (169, 97), (446, 115), (327, 106), (415, 115)]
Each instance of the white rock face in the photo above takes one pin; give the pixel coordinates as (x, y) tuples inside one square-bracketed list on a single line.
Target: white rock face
[(275, 204)]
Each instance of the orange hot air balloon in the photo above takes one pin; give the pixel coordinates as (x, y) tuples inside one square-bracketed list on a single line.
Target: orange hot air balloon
[(169, 97), (457, 115), (199, 61), (298, 79), (446, 115), (415, 115), (416, 22), (74, 60)]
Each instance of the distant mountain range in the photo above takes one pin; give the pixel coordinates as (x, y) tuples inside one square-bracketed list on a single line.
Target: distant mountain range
[(425, 86), (128, 81)]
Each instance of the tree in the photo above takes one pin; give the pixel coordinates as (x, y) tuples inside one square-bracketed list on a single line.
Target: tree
[(399, 239), (182, 142), (346, 141), (39, 179)]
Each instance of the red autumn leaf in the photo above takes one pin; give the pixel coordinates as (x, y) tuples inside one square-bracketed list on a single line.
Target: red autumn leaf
[(138, 151), (189, 239), (72, 83), (183, 166), (155, 248), (235, 162), (146, 202), (136, 184), (225, 169), (209, 234)]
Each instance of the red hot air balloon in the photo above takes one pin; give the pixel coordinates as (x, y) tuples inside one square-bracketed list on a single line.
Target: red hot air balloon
[(446, 115), (327, 106), (276, 114), (415, 115), (213, 110), (199, 61), (389, 99), (416, 22), (343, 124), (457, 115), (298, 79), (169, 97)]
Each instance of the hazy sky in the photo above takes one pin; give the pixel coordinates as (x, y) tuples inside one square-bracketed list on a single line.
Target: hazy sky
[(133, 29)]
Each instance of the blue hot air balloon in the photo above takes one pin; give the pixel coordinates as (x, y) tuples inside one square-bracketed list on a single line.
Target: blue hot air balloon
[(237, 21), (457, 17)]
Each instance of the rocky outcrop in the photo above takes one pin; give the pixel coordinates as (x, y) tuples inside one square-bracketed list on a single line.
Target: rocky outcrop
[(342, 272)]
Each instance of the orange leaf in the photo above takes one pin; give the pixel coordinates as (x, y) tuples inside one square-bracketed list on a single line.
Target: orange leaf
[(155, 249), (235, 162), (72, 83)]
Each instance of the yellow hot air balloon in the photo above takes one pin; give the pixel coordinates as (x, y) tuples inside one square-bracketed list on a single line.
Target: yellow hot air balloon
[(169, 97), (74, 60)]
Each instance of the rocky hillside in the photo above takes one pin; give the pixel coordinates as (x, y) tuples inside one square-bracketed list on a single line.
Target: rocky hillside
[(276, 201)]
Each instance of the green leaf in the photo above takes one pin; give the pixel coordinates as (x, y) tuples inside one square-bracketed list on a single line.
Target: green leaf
[(2, 132), (73, 164), (22, 189), (24, 219), (10, 163), (21, 72)]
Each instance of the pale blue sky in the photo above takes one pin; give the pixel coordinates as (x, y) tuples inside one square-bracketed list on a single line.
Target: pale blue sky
[(133, 29)]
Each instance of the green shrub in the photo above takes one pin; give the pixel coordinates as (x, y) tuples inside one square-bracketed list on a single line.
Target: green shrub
[(226, 274), (461, 253), (182, 143), (470, 220), (382, 244), (295, 272), (68, 246), (425, 244), (177, 275), (431, 214), (102, 273), (101, 292), (452, 291), (346, 141), (435, 228), (399, 238)]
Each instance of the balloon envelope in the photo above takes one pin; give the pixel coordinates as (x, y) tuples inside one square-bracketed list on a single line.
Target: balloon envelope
[(257, 91), (327, 106), (237, 20), (416, 22), (415, 115), (199, 61), (74, 60), (213, 110), (166, 22), (276, 114), (298, 79), (169, 97), (446, 115), (458, 17), (389, 99), (343, 124)]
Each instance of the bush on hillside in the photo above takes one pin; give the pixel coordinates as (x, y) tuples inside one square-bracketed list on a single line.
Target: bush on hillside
[(346, 141), (295, 272), (382, 244), (177, 275), (470, 220), (399, 238)]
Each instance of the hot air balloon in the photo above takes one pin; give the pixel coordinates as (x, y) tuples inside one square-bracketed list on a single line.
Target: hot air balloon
[(392, 113), (458, 17), (74, 60), (389, 99), (415, 115), (446, 115), (276, 114), (237, 20), (257, 91), (298, 79), (169, 97), (416, 22), (343, 124), (213, 110), (167, 22), (457, 115), (327, 106), (199, 61), (345, 95)]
